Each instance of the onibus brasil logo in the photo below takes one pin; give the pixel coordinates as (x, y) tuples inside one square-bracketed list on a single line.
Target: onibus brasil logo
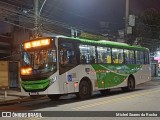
[(23, 114)]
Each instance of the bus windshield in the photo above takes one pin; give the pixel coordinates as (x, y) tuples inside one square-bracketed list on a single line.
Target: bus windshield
[(41, 61)]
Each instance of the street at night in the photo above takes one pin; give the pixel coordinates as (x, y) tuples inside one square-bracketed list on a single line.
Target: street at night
[(79, 59), (144, 98)]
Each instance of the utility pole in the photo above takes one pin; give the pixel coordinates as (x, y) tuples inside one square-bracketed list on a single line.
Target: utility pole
[(37, 13), (126, 17), (74, 32), (36, 24)]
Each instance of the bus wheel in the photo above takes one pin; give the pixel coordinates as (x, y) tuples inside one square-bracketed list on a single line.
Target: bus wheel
[(84, 90), (105, 92), (54, 97), (130, 86)]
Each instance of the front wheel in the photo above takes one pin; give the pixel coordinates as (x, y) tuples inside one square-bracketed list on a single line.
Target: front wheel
[(54, 97), (84, 90), (130, 85)]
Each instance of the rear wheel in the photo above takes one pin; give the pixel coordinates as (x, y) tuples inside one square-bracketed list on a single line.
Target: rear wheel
[(130, 85), (105, 92), (84, 90), (54, 97)]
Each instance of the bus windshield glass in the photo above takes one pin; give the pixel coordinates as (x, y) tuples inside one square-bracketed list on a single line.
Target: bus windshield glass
[(41, 61)]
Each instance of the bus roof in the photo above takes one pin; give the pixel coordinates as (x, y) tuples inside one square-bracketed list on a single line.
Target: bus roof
[(107, 43)]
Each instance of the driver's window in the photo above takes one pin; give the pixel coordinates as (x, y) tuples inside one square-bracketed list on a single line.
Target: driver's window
[(26, 59), (41, 57), (52, 56)]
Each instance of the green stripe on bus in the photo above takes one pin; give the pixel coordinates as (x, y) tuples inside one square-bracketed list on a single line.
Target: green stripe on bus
[(108, 43), (109, 75), (35, 85), (35, 81)]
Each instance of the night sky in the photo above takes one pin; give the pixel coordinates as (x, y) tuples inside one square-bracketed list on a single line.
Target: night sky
[(88, 13), (141, 5)]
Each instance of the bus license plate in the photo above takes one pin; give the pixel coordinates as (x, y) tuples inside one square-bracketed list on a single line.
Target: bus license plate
[(33, 93)]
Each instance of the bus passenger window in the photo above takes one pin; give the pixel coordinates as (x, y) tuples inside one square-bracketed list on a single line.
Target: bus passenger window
[(87, 51), (129, 56), (146, 56), (139, 57), (70, 55), (67, 54), (117, 55), (83, 59), (92, 59), (104, 54), (108, 59)]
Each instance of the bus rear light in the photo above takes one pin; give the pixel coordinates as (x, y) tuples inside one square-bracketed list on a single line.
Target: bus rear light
[(75, 84), (26, 71)]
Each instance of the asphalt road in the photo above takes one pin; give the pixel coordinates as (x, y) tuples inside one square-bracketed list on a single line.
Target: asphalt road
[(146, 97)]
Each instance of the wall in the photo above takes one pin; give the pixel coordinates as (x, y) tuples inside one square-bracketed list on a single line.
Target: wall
[(4, 75), (19, 36)]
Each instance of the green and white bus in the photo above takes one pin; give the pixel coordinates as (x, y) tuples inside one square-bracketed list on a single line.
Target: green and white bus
[(60, 65)]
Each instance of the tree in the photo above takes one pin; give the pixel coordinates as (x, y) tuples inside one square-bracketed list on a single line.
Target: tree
[(147, 29), (151, 19), (92, 36)]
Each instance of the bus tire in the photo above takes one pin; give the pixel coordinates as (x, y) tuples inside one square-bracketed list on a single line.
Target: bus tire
[(130, 85), (54, 97), (105, 92), (84, 90)]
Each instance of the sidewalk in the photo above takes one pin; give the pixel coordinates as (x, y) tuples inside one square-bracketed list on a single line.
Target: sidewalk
[(14, 95), (155, 78)]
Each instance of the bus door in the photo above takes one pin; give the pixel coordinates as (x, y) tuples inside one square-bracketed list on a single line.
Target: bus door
[(67, 61)]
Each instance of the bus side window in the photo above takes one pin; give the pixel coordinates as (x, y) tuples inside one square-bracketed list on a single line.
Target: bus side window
[(146, 56), (104, 54), (139, 57), (92, 59), (108, 59), (67, 53), (63, 56), (117, 55), (129, 56), (83, 59), (88, 53), (120, 58)]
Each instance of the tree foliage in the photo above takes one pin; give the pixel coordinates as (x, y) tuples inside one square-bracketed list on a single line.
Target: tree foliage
[(151, 19), (147, 29), (92, 36)]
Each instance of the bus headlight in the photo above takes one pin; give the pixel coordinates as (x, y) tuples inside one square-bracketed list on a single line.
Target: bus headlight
[(52, 80), (26, 71)]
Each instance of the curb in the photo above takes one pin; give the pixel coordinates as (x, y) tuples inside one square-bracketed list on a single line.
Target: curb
[(21, 99)]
